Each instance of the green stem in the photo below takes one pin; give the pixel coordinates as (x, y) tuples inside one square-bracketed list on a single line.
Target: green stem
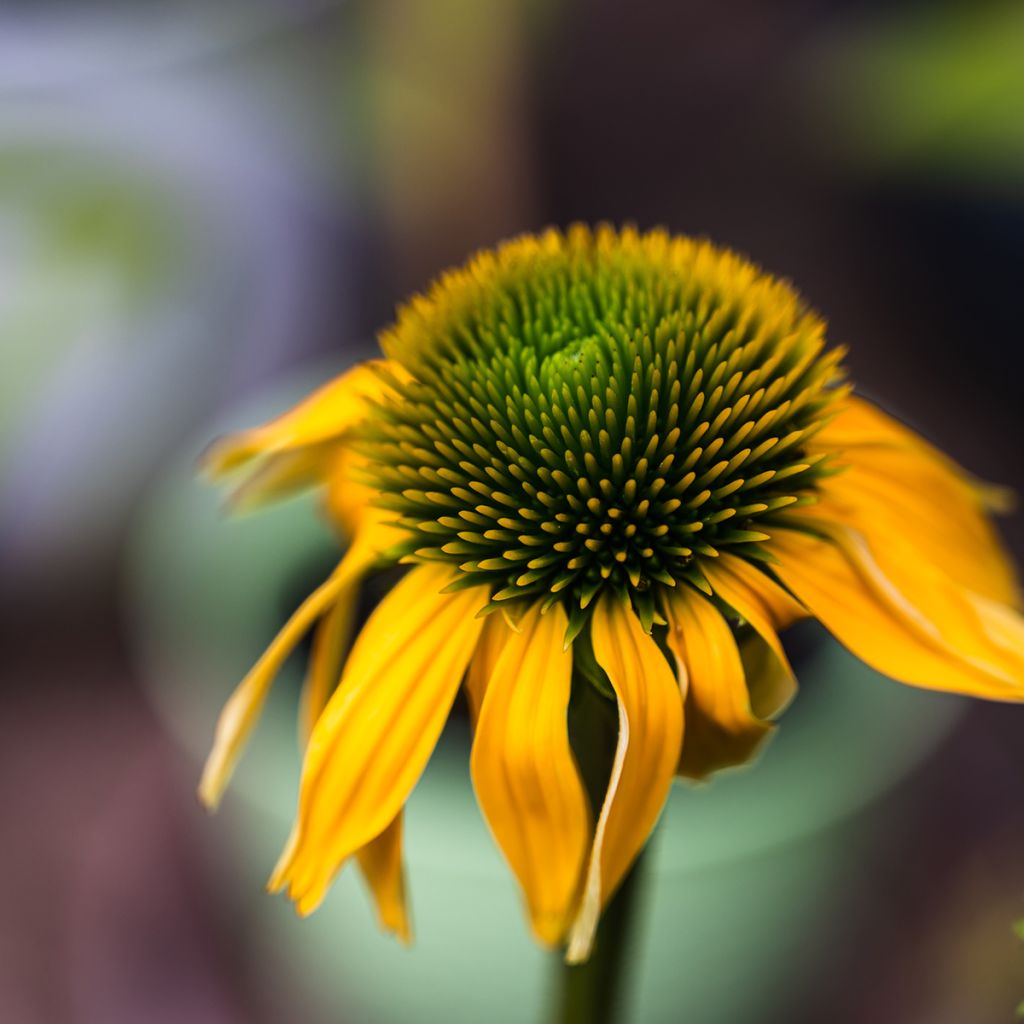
[(593, 992)]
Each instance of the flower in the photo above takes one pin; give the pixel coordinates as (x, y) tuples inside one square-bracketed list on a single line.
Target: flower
[(617, 460)]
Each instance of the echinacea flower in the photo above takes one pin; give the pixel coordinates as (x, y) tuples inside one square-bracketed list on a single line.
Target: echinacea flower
[(616, 460)]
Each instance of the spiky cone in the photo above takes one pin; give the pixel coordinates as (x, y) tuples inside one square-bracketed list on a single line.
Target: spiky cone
[(613, 460)]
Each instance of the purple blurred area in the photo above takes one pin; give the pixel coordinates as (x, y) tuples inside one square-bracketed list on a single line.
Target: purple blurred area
[(196, 198)]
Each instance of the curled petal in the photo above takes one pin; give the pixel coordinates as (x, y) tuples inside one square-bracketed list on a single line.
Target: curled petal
[(901, 615), (373, 740), (763, 604), (894, 483), (524, 774), (650, 735), (770, 682), (721, 728)]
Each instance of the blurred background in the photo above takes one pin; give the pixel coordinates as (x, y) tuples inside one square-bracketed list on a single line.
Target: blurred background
[(205, 208)]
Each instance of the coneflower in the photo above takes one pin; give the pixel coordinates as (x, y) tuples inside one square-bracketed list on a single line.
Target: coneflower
[(612, 460)]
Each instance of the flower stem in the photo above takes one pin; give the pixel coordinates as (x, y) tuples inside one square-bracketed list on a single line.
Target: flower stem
[(593, 992)]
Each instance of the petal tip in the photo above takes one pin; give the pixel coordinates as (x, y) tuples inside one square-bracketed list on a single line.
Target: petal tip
[(212, 784)]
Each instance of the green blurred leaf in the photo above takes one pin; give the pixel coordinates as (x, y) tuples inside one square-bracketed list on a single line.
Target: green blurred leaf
[(936, 87), (90, 247)]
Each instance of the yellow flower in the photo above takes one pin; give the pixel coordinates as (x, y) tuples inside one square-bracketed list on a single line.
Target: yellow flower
[(616, 460)]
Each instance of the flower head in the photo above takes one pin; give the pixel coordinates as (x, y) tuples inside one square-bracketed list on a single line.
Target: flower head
[(617, 460), (597, 414)]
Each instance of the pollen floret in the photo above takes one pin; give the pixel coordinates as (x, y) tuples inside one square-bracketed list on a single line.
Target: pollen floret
[(596, 409)]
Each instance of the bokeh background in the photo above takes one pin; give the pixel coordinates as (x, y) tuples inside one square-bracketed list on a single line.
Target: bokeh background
[(204, 207)]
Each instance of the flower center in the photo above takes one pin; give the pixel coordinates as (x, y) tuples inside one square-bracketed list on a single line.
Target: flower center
[(599, 409)]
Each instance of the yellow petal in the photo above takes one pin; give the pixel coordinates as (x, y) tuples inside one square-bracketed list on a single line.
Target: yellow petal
[(380, 861), (768, 609), (348, 500), (243, 707), (335, 630), (894, 483), (721, 728), (381, 864), (768, 679), (650, 735), (372, 741), (326, 655), (327, 414), (492, 638), (281, 475), (524, 774), (901, 615)]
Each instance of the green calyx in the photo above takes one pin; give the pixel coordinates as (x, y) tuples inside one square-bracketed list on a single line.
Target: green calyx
[(599, 410)]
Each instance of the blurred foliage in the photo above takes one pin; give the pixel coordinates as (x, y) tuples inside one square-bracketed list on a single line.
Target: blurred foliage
[(85, 247), (935, 85), (92, 214), (162, 196)]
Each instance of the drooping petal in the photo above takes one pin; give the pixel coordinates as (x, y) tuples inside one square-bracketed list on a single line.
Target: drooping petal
[(325, 415), (243, 707), (901, 615), (721, 728), (1003, 625), (524, 773), (281, 475), (650, 735), (380, 862), (894, 483), (762, 603), (335, 629), (492, 639), (372, 741), (325, 658)]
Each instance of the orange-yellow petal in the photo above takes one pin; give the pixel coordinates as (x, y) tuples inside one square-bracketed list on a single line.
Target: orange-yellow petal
[(348, 501), (767, 677), (721, 728), (650, 709), (281, 475), (243, 707), (326, 655), (492, 639), (900, 614), (380, 862), (524, 773), (893, 482), (325, 415), (372, 741), (762, 603)]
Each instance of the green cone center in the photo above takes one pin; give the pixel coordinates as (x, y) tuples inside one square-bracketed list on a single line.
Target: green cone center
[(599, 410)]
